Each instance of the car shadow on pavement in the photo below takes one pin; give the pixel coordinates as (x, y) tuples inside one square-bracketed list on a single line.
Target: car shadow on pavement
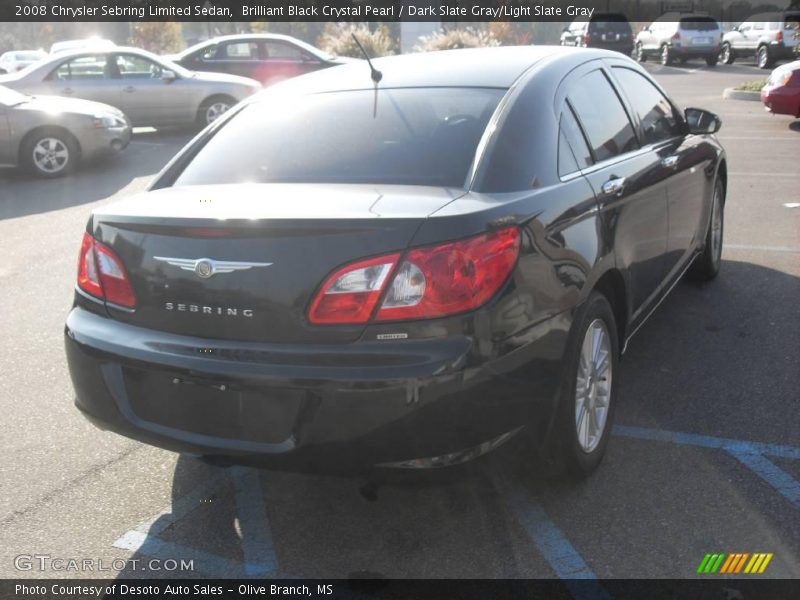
[(717, 359), (795, 126), (22, 194)]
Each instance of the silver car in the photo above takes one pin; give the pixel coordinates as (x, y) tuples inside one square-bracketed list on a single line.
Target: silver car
[(680, 37), (769, 37), (50, 135), (151, 91)]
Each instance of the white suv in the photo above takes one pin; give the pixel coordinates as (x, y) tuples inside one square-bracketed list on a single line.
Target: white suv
[(679, 36), (768, 37)]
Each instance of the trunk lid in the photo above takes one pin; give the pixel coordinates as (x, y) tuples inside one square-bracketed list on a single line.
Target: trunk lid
[(270, 247)]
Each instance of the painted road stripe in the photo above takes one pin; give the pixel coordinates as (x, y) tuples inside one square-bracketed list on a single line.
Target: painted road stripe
[(259, 553), (784, 483), (557, 550), (707, 441), (203, 562), (760, 248)]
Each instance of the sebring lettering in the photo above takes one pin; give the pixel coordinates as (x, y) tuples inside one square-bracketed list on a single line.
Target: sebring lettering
[(221, 311)]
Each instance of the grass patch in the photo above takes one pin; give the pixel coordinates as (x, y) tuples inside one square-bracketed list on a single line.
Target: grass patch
[(752, 86)]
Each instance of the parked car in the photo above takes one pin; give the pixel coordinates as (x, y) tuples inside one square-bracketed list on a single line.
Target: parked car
[(148, 89), (92, 43), (781, 95), (681, 37), (49, 136), (266, 57), (16, 60), (404, 274), (611, 31), (768, 37)]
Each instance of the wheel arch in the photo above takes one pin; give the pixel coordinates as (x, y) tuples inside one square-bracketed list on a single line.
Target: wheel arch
[(722, 174), (209, 99), (612, 285)]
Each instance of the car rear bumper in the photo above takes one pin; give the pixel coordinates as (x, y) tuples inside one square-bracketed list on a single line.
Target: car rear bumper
[(309, 407), (694, 51)]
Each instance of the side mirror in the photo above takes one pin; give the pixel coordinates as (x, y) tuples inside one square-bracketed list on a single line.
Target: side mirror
[(702, 121), (168, 76)]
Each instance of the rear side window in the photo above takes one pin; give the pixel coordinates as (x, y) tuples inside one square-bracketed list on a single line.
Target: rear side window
[(412, 136), (655, 112), (602, 116), (571, 131)]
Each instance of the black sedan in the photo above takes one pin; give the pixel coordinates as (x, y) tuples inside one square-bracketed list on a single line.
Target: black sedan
[(403, 273)]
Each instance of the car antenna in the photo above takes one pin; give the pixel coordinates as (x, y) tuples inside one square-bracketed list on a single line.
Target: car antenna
[(374, 73)]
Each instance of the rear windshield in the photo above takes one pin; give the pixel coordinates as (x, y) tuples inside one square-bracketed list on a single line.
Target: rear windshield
[(610, 23), (410, 136), (29, 55), (699, 24)]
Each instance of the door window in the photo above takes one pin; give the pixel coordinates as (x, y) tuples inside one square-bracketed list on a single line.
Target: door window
[(602, 116), (131, 66), (82, 68), (655, 112), (280, 51), (239, 51)]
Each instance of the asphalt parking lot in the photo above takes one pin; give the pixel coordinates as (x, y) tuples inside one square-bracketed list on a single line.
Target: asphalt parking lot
[(705, 457)]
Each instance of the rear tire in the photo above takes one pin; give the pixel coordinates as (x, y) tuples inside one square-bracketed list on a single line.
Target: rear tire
[(666, 55), (763, 59), (711, 61), (49, 153), (726, 54), (638, 53), (706, 266), (588, 391)]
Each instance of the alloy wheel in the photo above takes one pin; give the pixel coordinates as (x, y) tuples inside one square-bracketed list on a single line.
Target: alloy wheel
[(216, 110), (50, 155), (593, 386)]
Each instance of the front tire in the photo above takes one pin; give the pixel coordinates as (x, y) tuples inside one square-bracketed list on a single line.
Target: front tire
[(213, 108), (588, 390), (706, 266), (49, 153)]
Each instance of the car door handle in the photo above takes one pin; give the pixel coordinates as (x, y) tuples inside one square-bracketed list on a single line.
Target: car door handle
[(670, 161), (130, 89), (614, 186)]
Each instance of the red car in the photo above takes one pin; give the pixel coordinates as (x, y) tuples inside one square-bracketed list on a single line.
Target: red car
[(781, 95)]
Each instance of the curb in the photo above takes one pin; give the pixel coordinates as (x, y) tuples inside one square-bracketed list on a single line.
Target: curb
[(734, 94)]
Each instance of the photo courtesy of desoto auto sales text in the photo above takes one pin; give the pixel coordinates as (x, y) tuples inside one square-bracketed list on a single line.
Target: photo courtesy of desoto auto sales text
[(400, 299)]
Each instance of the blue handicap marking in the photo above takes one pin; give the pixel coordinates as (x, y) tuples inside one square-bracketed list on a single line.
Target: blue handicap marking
[(753, 455)]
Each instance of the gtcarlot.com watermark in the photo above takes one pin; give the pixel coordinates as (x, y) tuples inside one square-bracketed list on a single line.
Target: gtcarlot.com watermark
[(47, 562)]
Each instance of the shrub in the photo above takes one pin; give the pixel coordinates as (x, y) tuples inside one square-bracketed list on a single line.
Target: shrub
[(457, 38), (752, 86), (337, 38)]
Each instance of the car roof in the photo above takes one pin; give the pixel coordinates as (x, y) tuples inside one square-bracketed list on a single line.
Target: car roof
[(496, 67)]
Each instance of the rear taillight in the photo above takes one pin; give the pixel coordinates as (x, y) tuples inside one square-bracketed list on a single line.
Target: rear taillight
[(429, 282), (779, 37), (586, 39), (676, 36), (101, 274)]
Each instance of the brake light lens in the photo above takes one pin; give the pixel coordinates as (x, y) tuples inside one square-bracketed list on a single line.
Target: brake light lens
[(429, 282), (351, 293), (779, 37), (676, 36), (101, 274)]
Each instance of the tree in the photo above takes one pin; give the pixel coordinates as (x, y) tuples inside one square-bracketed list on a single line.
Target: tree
[(157, 36)]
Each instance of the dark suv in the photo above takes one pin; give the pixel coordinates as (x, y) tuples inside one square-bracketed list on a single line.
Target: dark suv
[(610, 31)]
